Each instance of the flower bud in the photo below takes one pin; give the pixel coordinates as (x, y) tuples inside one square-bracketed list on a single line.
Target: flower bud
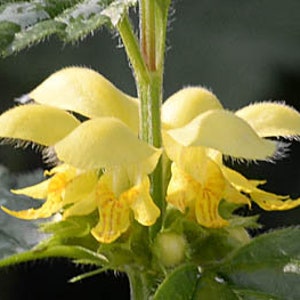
[(170, 248)]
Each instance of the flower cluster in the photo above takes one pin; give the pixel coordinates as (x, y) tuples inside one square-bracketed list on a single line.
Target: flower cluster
[(91, 129)]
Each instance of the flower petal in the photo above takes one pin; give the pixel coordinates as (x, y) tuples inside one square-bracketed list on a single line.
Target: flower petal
[(51, 206), (88, 93), (232, 195), (37, 123), (266, 200), (105, 143), (272, 119), (37, 191), (182, 189), (113, 215), (55, 190), (183, 106), (202, 198), (145, 210), (210, 196), (240, 182), (85, 206), (223, 131), (270, 201), (80, 186)]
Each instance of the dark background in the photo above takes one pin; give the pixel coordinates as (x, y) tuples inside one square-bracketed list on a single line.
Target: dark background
[(244, 50)]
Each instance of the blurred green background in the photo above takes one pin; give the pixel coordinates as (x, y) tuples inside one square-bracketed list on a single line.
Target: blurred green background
[(244, 50)]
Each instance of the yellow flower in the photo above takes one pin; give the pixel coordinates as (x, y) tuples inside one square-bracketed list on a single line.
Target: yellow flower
[(52, 189), (198, 132), (106, 143), (198, 185), (124, 186), (87, 93), (114, 205), (73, 193), (73, 89)]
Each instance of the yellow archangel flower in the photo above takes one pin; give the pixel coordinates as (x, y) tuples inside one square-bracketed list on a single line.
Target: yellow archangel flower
[(104, 164), (198, 132)]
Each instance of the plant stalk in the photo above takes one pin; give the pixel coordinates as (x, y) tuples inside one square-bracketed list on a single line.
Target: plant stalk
[(147, 59)]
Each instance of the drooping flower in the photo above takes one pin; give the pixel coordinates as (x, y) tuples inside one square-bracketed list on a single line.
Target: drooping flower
[(106, 144), (199, 132)]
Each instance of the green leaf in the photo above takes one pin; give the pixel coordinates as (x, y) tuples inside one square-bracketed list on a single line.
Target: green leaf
[(72, 231), (116, 10), (211, 245), (17, 235), (74, 252), (179, 285), (254, 295), (213, 287), (269, 264), (24, 23), (33, 35), (7, 32), (82, 19), (188, 283), (24, 14)]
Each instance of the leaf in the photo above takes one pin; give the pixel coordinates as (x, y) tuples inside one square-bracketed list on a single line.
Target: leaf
[(188, 283), (268, 264), (76, 253), (72, 231), (82, 19), (17, 235), (213, 287), (179, 285), (116, 10), (210, 245), (24, 23), (254, 295), (33, 35), (7, 32)]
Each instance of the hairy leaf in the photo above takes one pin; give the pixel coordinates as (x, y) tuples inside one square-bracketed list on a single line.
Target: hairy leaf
[(269, 264), (179, 284), (212, 287), (17, 235), (24, 23), (76, 253)]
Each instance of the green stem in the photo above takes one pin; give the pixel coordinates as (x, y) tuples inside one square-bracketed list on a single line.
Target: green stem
[(148, 33), (133, 50), (147, 59), (154, 118), (138, 284), (151, 96), (162, 12)]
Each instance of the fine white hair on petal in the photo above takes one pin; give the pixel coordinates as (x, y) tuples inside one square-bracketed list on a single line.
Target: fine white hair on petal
[(49, 156), (282, 151), (279, 102), (293, 138), (24, 99), (238, 160), (19, 143)]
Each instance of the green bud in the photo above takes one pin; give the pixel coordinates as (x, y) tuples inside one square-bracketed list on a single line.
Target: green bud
[(170, 248)]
